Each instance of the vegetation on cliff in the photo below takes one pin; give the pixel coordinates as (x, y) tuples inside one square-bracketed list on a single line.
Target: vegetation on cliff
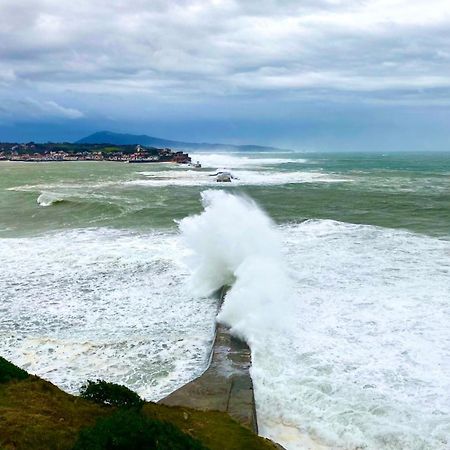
[(111, 394), (10, 372), (130, 429), (36, 415)]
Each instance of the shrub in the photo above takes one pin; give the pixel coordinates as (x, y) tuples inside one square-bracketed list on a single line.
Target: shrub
[(130, 430), (9, 371), (110, 394)]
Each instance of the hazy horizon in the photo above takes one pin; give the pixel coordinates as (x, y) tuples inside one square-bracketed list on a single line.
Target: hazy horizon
[(233, 145)]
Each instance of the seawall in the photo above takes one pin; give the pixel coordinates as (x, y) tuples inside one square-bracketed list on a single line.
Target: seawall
[(226, 384)]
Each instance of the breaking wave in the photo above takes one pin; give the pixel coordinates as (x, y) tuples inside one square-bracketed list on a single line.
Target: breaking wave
[(348, 324), (243, 178), (238, 161), (233, 242), (49, 198)]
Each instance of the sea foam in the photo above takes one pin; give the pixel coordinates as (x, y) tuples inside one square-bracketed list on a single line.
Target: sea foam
[(181, 177), (102, 303), (347, 324), (236, 161)]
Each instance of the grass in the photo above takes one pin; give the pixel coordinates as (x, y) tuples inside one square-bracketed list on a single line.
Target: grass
[(128, 429), (215, 429), (36, 415)]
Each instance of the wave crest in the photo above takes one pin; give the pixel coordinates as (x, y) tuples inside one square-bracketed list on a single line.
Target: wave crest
[(233, 242), (49, 198)]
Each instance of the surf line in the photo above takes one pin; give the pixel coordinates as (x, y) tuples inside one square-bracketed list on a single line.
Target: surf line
[(226, 384)]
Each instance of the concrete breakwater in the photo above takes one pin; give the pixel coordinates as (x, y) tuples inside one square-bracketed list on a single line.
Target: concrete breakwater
[(226, 384)]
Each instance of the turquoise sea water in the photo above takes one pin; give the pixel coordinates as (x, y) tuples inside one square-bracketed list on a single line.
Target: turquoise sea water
[(404, 190), (95, 282)]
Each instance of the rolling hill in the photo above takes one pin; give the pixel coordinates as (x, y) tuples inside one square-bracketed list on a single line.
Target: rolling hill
[(108, 137)]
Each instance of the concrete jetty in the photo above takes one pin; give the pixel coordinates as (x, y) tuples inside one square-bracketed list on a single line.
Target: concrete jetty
[(226, 384)]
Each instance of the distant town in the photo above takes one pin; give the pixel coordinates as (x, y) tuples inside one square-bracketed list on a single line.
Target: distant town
[(54, 152)]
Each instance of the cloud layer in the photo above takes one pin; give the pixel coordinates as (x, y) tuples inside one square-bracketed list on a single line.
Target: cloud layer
[(69, 56)]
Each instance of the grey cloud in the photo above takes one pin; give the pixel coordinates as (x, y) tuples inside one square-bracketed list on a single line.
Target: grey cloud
[(44, 109), (53, 108), (191, 49)]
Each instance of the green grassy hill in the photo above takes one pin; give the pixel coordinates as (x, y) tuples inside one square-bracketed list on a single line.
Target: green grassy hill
[(36, 415)]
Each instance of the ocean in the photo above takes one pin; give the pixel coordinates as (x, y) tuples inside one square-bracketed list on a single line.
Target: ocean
[(340, 273)]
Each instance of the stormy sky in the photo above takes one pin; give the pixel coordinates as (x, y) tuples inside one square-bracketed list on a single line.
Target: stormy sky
[(309, 75)]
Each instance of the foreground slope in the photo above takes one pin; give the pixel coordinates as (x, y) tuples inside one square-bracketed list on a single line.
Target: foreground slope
[(35, 414)]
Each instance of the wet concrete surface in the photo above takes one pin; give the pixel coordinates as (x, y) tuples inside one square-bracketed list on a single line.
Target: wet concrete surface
[(225, 386)]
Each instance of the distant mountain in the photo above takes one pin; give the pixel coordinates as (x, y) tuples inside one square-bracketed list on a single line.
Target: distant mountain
[(108, 137)]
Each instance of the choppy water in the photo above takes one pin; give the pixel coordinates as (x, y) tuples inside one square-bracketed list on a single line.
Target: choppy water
[(95, 281)]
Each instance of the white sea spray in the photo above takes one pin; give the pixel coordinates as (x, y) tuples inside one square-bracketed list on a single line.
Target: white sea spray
[(346, 324), (49, 198), (235, 161), (233, 242)]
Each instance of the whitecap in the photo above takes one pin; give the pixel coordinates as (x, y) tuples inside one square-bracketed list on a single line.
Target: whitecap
[(348, 325)]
